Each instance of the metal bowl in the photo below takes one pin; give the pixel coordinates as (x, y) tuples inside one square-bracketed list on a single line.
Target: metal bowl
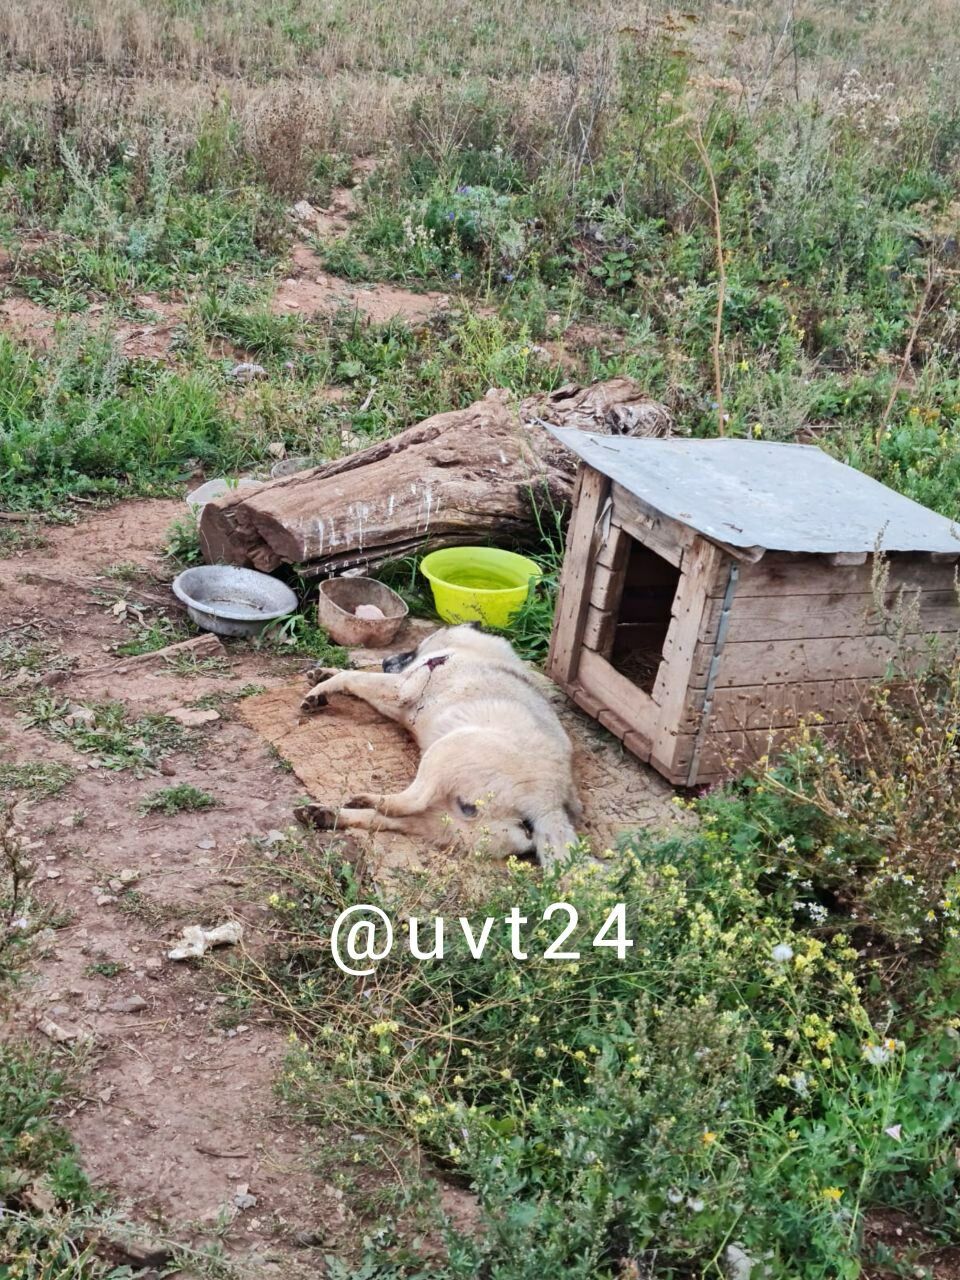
[(231, 601)]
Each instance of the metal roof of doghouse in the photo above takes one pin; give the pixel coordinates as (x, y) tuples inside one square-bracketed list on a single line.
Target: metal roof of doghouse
[(763, 495)]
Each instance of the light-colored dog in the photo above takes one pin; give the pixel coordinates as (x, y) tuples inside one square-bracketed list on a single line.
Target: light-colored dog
[(496, 763)]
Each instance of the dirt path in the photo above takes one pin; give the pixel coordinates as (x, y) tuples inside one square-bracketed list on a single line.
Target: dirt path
[(178, 1109)]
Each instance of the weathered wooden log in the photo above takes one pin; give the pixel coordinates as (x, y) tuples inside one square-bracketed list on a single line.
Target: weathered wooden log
[(472, 475)]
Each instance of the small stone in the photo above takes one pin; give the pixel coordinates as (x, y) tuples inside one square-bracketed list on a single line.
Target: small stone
[(277, 449), (129, 875), (369, 613), (52, 874), (153, 964), (58, 1033), (104, 899), (115, 885), (129, 1004), (167, 769), (207, 843), (80, 715), (242, 1197), (193, 717), (246, 371), (303, 211)]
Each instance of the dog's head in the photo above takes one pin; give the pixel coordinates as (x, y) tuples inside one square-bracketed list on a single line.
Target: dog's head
[(463, 640), (506, 829)]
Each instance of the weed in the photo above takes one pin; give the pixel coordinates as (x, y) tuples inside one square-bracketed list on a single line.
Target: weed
[(156, 634), (107, 731), (44, 1194), (17, 538), (704, 1069), (38, 777), (188, 665), (182, 544), (26, 654), (299, 635), (181, 798), (104, 969)]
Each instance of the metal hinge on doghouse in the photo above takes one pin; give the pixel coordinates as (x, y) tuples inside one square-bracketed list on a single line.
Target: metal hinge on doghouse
[(722, 628)]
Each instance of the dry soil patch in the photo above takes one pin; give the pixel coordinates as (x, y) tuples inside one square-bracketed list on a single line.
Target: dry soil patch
[(309, 290)]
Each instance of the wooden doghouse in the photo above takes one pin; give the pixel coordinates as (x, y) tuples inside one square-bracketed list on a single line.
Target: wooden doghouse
[(715, 592)]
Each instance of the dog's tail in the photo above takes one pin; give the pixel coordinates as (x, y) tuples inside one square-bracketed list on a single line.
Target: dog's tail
[(553, 834)]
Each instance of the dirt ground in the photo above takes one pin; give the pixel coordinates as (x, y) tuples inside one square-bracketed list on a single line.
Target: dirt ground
[(177, 1108), (309, 290)]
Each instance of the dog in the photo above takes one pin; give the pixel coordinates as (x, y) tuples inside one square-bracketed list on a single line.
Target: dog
[(496, 764)]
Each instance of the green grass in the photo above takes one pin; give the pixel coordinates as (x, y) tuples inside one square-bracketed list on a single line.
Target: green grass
[(104, 969), (156, 634), (38, 1165), (181, 798), (38, 777), (115, 738), (741, 1072), (300, 636)]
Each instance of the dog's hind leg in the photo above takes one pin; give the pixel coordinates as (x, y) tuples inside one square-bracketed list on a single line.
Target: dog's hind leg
[(326, 818), (427, 791)]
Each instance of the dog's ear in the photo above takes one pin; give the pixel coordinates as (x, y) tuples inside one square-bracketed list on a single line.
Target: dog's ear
[(553, 834)]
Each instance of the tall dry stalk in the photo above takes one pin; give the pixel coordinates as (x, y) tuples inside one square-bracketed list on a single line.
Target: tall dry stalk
[(697, 138)]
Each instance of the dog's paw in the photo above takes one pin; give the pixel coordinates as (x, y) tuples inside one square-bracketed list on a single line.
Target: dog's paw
[(318, 816), (313, 702), (313, 675), (362, 801)]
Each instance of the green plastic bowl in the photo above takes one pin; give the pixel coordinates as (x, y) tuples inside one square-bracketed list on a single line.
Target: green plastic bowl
[(479, 584)]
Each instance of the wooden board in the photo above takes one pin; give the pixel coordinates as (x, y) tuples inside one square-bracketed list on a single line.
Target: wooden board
[(763, 706), (728, 753), (616, 693), (584, 539), (780, 573), (798, 617), (668, 538), (702, 567), (798, 661), (599, 629)]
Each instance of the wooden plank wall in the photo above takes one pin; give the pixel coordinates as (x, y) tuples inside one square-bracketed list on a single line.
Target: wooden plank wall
[(805, 640)]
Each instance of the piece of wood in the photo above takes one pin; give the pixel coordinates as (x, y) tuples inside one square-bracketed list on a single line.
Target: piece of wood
[(702, 567), (618, 694), (783, 573), (668, 538), (798, 617), (206, 646), (828, 658), (599, 630), (573, 598), (777, 706), (472, 475), (729, 753)]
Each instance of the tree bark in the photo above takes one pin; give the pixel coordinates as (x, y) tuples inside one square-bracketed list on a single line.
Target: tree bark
[(472, 475)]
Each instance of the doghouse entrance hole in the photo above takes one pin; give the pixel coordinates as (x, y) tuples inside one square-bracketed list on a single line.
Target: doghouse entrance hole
[(649, 586)]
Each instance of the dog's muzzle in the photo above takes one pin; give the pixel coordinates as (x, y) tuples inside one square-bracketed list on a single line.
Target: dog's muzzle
[(399, 661)]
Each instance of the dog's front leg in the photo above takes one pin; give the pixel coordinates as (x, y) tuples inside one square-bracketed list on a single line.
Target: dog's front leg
[(378, 689)]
